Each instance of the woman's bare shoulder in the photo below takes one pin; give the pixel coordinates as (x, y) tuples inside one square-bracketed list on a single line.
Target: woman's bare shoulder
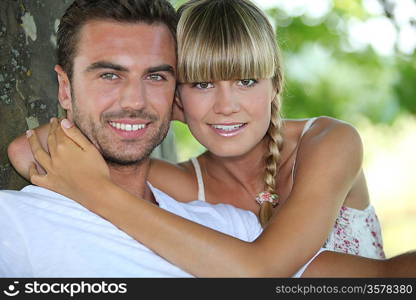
[(176, 180), (323, 128), (330, 144), (330, 130)]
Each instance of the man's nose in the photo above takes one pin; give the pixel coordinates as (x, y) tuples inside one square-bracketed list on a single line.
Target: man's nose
[(133, 96), (226, 102)]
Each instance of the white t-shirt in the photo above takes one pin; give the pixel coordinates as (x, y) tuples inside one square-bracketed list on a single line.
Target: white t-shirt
[(44, 234)]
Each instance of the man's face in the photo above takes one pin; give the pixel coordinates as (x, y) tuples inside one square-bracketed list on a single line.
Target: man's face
[(122, 87)]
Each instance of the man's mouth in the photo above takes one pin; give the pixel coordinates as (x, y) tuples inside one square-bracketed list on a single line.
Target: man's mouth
[(130, 129), (127, 127)]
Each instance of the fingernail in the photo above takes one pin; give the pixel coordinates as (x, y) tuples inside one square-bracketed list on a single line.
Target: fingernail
[(29, 133), (51, 120), (66, 123)]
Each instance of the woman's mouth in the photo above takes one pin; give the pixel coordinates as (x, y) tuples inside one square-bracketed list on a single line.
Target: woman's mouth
[(228, 129)]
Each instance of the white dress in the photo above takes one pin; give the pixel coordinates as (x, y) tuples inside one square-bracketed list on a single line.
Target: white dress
[(355, 231)]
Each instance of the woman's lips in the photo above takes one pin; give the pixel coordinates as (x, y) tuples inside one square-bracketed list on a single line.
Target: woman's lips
[(228, 129)]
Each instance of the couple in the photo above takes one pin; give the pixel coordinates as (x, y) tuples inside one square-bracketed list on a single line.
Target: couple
[(117, 76)]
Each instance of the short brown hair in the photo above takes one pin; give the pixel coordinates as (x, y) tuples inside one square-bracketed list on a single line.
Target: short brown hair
[(132, 11)]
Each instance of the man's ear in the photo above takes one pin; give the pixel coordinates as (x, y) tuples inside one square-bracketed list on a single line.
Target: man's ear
[(64, 89), (177, 109)]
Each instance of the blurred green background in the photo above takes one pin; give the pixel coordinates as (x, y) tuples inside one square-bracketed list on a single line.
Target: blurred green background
[(354, 60)]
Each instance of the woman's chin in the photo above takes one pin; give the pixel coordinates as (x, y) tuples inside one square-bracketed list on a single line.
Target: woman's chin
[(228, 152)]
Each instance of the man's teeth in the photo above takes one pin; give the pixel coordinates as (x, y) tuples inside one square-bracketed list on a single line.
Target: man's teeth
[(128, 127), (228, 127)]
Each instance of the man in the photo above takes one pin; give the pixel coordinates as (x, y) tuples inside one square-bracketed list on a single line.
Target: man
[(116, 78)]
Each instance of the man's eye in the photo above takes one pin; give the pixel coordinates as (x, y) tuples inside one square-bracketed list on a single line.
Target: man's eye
[(203, 85), (156, 77), (109, 76), (247, 82)]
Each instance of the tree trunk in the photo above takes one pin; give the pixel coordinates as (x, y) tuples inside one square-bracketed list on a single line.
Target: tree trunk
[(28, 85)]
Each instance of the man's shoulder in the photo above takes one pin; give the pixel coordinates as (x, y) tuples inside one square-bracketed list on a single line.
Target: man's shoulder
[(37, 210), (8, 195), (28, 191), (29, 198)]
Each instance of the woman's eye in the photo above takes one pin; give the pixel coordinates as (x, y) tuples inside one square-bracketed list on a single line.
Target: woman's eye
[(247, 82), (203, 85), (109, 76)]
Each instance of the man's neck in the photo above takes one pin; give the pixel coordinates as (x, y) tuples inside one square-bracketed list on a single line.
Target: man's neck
[(133, 179)]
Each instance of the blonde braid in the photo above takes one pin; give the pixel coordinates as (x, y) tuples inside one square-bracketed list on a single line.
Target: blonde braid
[(272, 159)]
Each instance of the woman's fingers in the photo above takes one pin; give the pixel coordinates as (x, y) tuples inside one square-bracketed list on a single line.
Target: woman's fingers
[(33, 170), (75, 134), (54, 124), (52, 136), (41, 156), (36, 178)]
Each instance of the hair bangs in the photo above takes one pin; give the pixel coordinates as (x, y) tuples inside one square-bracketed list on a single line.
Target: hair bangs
[(220, 48)]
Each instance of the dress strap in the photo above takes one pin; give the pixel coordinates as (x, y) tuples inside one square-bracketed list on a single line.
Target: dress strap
[(308, 125), (201, 189)]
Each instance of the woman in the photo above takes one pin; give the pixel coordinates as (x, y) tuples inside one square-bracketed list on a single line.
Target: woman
[(305, 176)]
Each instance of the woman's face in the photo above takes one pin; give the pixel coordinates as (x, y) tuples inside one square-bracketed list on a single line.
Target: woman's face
[(228, 117)]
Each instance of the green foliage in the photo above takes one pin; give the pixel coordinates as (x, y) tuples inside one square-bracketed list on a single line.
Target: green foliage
[(324, 76), (405, 84), (187, 146), (294, 35), (349, 8)]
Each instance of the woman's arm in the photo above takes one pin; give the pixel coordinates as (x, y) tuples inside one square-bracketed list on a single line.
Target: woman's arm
[(19, 152), (302, 222), (334, 264)]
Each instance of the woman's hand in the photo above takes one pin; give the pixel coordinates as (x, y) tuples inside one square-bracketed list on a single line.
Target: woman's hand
[(73, 166)]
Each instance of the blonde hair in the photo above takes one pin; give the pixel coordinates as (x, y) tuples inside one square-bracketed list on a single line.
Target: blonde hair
[(232, 39)]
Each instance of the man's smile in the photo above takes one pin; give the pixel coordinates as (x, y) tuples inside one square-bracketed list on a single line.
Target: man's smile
[(129, 129)]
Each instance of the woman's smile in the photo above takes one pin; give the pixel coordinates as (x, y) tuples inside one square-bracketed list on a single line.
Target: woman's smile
[(228, 129)]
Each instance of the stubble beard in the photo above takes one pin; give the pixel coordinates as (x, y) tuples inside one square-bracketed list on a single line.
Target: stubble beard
[(124, 153)]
